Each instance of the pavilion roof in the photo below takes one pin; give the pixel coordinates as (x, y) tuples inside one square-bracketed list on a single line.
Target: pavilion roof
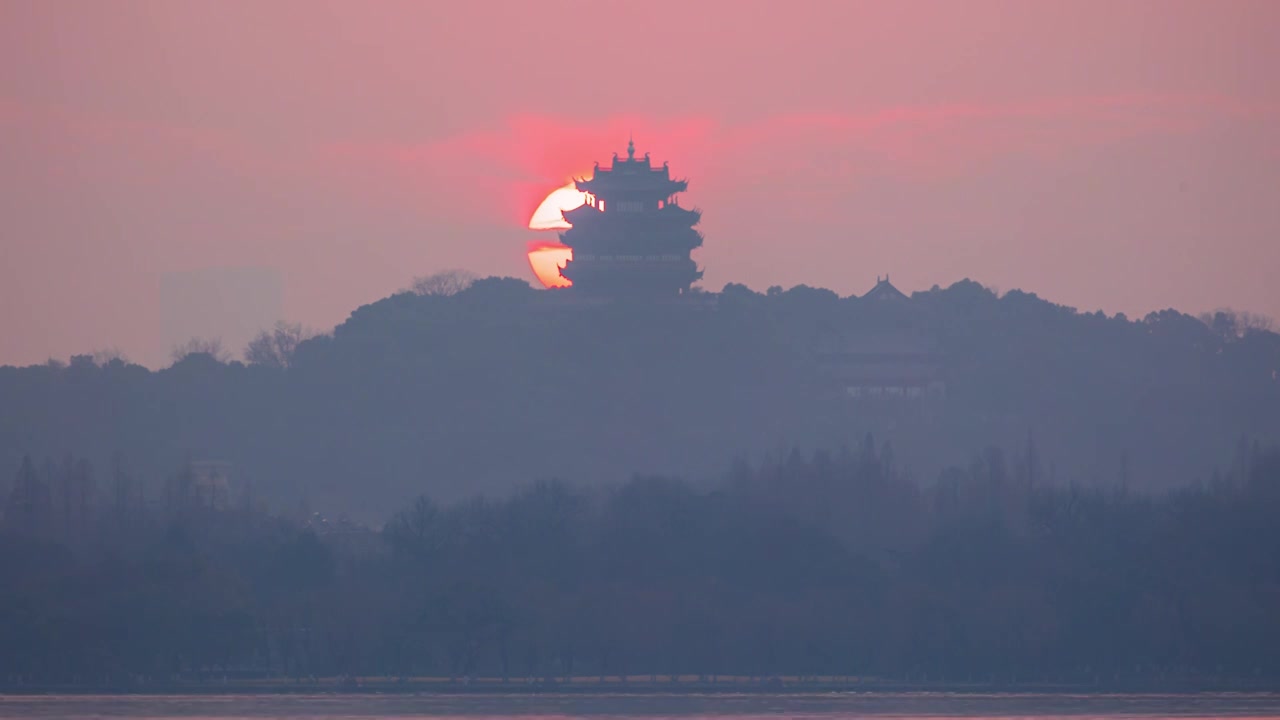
[(884, 290)]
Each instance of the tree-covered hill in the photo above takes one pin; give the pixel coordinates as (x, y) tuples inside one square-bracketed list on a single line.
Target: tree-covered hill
[(499, 383)]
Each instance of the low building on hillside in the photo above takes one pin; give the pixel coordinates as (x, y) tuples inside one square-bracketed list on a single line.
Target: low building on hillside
[(898, 365)]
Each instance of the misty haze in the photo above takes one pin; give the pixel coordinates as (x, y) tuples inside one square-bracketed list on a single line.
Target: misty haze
[(748, 359)]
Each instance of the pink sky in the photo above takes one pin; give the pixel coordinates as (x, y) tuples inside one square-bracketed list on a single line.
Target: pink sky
[(1113, 155)]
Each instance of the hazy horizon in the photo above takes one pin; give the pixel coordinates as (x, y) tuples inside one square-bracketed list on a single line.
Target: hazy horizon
[(1121, 157)]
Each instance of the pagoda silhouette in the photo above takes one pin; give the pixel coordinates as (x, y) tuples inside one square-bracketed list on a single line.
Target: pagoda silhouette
[(631, 237)]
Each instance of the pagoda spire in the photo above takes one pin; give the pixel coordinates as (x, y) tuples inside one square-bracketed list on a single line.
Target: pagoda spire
[(631, 147)]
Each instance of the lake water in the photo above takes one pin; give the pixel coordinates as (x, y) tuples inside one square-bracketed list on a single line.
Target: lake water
[(720, 706)]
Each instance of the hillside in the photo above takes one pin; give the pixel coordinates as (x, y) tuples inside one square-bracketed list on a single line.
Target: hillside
[(501, 384)]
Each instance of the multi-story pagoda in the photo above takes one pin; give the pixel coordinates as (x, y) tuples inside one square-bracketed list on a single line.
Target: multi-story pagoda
[(631, 236)]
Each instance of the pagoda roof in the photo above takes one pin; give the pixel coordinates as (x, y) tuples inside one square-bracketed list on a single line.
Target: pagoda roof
[(692, 216), (612, 178), (884, 290), (632, 173)]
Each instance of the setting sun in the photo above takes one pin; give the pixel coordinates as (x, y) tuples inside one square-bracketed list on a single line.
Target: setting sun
[(546, 259), (548, 217)]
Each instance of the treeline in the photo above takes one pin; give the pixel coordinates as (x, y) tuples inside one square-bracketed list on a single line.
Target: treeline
[(823, 564), (459, 387)]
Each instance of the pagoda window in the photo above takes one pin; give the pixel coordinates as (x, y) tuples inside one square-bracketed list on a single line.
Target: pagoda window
[(630, 206), (661, 204), (602, 206)]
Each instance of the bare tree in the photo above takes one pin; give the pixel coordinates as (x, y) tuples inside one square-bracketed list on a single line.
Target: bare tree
[(201, 346), (1230, 324), (443, 283), (1250, 322), (276, 347)]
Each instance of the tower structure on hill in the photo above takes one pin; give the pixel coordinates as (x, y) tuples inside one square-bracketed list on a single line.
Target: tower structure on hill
[(631, 237), (884, 291)]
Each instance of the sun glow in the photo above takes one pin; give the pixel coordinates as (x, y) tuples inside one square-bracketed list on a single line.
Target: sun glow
[(546, 259), (548, 217)]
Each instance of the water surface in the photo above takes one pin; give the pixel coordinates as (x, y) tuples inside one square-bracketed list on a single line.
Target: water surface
[(831, 706)]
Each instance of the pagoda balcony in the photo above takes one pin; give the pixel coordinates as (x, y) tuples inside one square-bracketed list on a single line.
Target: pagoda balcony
[(632, 273), (683, 239), (621, 258), (667, 216), (670, 215)]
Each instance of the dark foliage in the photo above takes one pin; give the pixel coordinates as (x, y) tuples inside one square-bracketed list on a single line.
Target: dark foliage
[(495, 383), (830, 564)]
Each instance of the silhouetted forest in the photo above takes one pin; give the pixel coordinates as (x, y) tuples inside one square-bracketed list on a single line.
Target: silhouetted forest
[(1017, 491), (823, 564), (464, 386)]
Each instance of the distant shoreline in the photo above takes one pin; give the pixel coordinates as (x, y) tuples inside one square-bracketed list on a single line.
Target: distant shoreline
[(653, 701), (641, 687)]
